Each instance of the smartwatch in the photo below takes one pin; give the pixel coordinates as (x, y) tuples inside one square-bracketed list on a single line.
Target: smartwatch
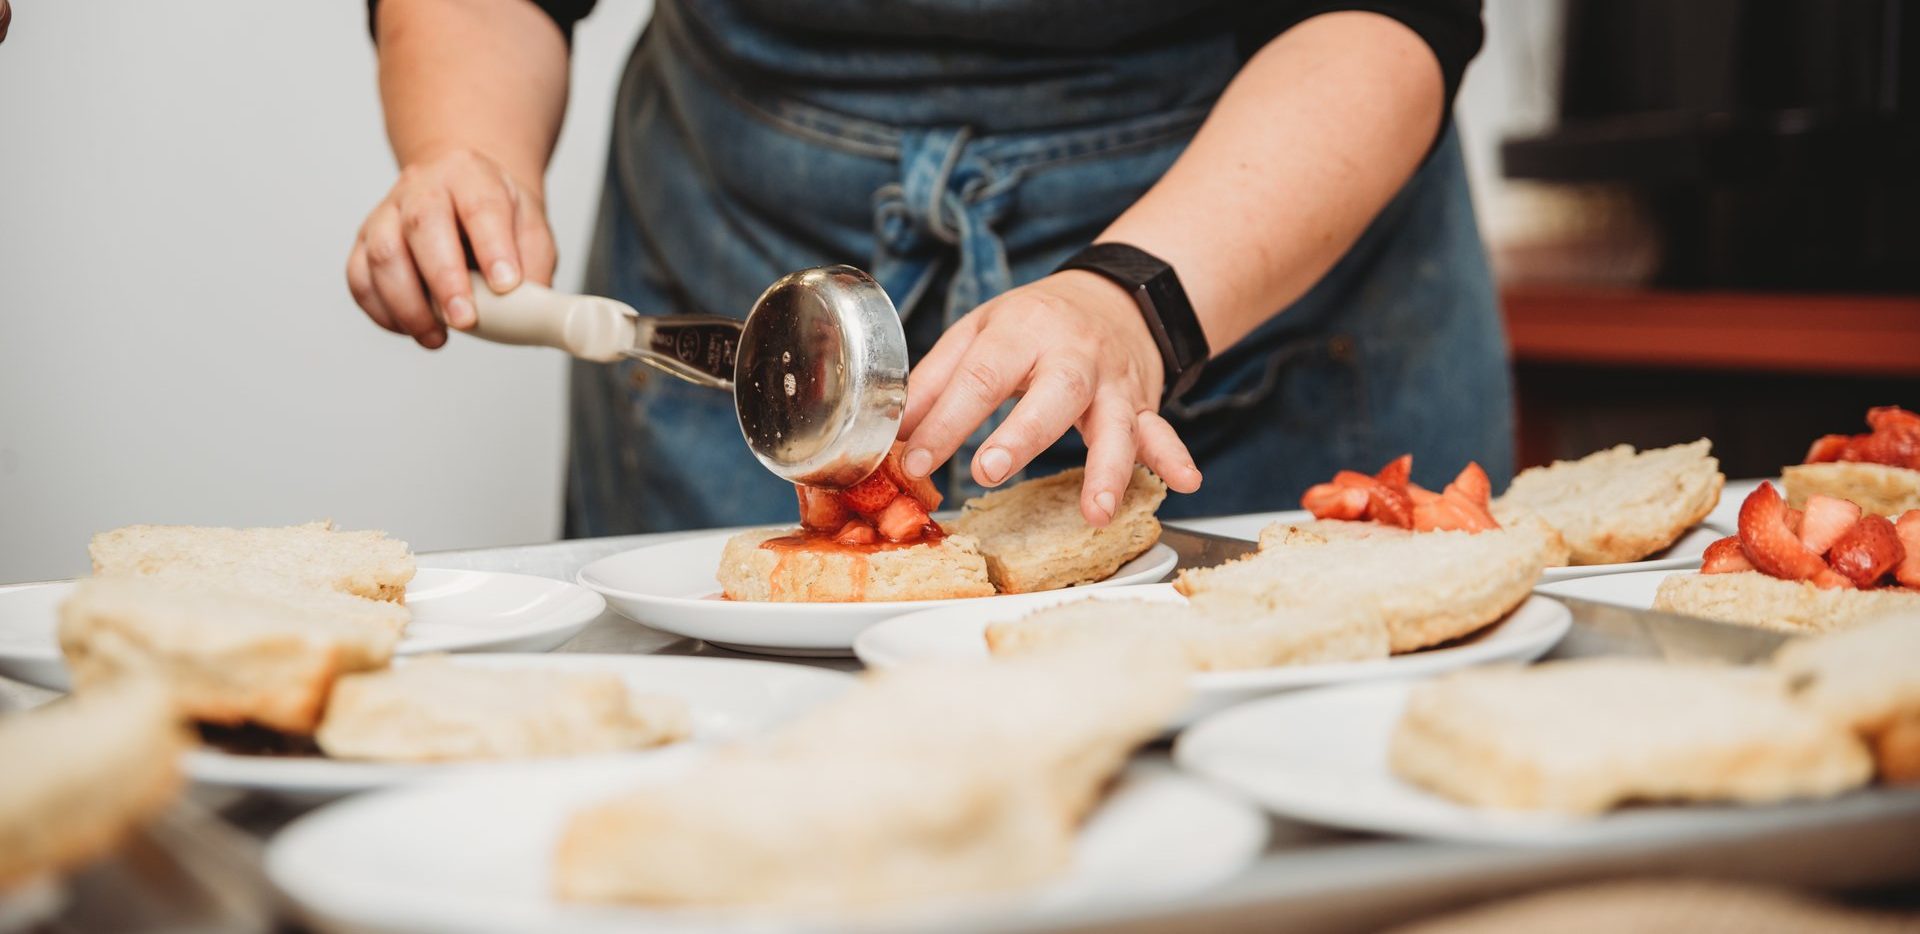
[(1163, 303)]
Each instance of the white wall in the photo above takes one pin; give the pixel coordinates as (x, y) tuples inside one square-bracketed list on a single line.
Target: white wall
[(179, 184)]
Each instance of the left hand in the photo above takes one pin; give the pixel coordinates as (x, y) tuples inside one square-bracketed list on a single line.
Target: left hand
[(1074, 347)]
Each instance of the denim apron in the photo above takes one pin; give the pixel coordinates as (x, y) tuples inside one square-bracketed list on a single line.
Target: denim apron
[(739, 155)]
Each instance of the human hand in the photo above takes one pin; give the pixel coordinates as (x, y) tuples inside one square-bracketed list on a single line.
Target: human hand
[(412, 238), (1074, 347)]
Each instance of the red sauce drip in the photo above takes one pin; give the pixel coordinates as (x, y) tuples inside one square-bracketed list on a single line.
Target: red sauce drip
[(812, 540)]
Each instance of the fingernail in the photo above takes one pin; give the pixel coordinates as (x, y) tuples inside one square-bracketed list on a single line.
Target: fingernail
[(918, 462), (503, 275), (1104, 500), (460, 312), (994, 464)]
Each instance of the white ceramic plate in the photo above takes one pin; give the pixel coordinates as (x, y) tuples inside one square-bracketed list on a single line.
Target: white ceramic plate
[(1684, 553), (671, 587), (1634, 590), (453, 611), (727, 698), (1321, 757), (959, 632), (473, 853)]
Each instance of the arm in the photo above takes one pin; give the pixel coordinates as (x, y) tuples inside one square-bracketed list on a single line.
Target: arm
[(474, 91), (1310, 140)]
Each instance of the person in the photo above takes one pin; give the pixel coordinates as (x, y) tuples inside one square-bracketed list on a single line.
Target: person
[(1292, 163)]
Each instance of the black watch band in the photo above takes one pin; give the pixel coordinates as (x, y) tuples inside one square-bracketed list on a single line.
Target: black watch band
[(1163, 303)]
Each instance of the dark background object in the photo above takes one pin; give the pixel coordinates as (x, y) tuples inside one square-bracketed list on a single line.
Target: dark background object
[(1776, 143)]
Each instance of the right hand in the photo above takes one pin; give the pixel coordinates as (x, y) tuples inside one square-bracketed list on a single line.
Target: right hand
[(408, 270)]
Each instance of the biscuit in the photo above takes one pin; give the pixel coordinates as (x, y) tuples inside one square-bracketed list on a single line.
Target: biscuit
[(1580, 737), (1755, 599), (1619, 505), (1876, 488), (949, 568), (1034, 537)]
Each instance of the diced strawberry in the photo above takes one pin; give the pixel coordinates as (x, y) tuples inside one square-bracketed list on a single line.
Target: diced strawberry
[(821, 510), (1389, 505), (1420, 494), (1908, 528), (1830, 579), (856, 532), (1867, 551), (1725, 557), (1828, 449), (1473, 484), (903, 520), (1794, 517), (920, 488), (1892, 418), (1397, 472), (871, 495), (1330, 501), (1894, 448), (1773, 547), (1451, 511), (1824, 520)]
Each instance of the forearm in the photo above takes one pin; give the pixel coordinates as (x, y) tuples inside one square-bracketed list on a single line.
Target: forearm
[(486, 75), (1304, 148)]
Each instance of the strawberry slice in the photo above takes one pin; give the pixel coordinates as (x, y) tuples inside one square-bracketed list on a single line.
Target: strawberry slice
[(1473, 484), (1892, 418), (1828, 449), (1867, 551), (856, 532), (1908, 528), (1389, 505), (1773, 547), (1451, 511), (871, 495), (821, 510), (1332, 501), (1725, 557), (902, 520), (1398, 472), (1825, 519), (1899, 448)]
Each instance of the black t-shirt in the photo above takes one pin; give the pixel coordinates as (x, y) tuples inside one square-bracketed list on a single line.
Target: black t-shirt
[(1451, 28)]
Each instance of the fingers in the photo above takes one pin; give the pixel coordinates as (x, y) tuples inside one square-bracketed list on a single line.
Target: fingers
[(433, 238), (396, 281), (1165, 454), (486, 212), (1057, 395), (1109, 433), (989, 372), (360, 283), (931, 374), (534, 238)]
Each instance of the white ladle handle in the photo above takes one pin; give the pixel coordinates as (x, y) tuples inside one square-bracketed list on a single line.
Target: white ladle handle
[(586, 326)]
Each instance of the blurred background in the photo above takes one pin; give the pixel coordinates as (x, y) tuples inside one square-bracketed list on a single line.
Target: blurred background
[(1700, 212)]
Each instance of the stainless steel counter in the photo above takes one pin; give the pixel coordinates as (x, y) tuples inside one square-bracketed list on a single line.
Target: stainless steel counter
[(1310, 878)]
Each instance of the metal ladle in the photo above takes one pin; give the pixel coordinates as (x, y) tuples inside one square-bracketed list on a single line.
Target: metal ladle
[(818, 369)]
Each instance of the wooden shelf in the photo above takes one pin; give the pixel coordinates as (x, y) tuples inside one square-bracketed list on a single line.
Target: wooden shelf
[(1868, 335)]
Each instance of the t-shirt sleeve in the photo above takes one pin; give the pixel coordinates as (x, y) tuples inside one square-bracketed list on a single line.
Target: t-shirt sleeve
[(1451, 28), (564, 13)]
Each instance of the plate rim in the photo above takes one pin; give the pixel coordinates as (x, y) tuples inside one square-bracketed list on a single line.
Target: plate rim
[(570, 589), (1538, 831), (1169, 559), (231, 770), (1252, 834), (1556, 620)]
